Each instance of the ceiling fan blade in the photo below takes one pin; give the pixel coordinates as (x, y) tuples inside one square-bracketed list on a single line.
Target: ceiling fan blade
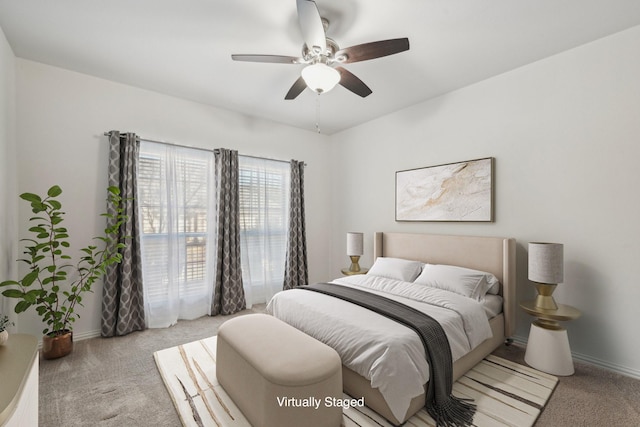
[(296, 89), (311, 25), (276, 59), (353, 83), (366, 51)]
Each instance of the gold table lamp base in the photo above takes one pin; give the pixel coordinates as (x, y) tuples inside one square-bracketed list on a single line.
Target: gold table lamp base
[(355, 267), (545, 300)]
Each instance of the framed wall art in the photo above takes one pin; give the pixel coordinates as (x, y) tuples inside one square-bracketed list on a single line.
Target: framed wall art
[(460, 191)]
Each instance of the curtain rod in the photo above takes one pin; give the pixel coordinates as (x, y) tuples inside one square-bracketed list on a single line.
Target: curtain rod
[(215, 150)]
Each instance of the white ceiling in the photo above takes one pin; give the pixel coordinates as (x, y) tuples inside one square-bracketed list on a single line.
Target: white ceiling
[(183, 48)]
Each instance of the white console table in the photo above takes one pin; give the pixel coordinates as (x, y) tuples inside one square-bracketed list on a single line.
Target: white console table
[(19, 373)]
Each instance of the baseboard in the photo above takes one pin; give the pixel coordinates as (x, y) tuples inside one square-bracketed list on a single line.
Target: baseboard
[(76, 337), (633, 373), (623, 370), (86, 335)]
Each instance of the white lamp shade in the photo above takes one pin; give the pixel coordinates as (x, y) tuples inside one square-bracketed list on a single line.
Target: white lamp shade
[(320, 77), (354, 244), (546, 262)]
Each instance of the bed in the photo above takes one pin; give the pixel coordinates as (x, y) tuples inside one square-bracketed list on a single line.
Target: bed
[(493, 255)]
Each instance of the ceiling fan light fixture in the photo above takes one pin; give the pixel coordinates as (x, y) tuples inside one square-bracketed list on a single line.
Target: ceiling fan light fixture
[(320, 77)]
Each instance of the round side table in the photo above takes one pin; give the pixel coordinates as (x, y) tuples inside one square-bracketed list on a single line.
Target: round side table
[(548, 345)]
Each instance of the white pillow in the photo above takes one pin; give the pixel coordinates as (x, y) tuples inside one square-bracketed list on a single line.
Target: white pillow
[(396, 268), (464, 281)]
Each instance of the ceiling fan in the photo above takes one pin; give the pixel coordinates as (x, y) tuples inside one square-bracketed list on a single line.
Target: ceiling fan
[(323, 57)]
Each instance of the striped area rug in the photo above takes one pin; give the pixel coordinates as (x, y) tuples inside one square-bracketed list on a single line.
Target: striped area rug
[(506, 393)]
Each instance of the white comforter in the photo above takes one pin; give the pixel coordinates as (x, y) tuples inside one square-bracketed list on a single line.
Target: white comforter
[(387, 353)]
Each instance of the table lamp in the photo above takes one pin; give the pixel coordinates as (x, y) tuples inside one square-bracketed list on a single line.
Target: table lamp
[(546, 270), (354, 250)]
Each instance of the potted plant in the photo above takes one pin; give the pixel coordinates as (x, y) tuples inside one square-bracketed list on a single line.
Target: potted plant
[(4, 324), (53, 284)]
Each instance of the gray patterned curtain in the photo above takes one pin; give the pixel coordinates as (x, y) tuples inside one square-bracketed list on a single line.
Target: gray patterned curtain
[(296, 271), (228, 294), (122, 300)]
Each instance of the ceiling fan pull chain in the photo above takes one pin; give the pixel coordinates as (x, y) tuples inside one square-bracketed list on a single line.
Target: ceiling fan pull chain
[(318, 112)]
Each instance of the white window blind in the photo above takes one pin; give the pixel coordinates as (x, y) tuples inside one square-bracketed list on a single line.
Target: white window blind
[(264, 207)]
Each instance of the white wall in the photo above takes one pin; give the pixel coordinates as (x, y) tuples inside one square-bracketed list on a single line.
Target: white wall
[(565, 134), (8, 202), (61, 119)]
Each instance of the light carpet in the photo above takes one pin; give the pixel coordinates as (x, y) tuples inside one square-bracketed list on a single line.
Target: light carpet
[(506, 393)]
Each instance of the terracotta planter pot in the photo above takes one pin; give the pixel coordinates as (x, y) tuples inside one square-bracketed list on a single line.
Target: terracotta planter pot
[(57, 346)]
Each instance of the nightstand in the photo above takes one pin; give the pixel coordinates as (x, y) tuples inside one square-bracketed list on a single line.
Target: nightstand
[(348, 272), (548, 346)]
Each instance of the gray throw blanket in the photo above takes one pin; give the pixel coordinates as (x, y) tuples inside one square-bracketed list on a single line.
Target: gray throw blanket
[(446, 409)]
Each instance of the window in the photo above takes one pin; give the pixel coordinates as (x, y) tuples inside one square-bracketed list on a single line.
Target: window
[(177, 202), (175, 195), (264, 206)]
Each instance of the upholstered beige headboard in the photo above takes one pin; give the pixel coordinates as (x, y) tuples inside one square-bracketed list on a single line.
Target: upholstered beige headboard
[(495, 255)]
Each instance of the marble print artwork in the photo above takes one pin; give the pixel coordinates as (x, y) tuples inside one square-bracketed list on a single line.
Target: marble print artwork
[(453, 192)]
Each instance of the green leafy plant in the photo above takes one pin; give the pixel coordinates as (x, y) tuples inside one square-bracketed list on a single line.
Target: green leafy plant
[(4, 323), (53, 285)]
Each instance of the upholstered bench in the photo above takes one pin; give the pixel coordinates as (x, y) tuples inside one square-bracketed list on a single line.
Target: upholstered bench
[(278, 375)]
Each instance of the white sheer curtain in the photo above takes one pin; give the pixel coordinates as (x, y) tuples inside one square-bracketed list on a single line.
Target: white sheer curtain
[(175, 193), (264, 202)]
